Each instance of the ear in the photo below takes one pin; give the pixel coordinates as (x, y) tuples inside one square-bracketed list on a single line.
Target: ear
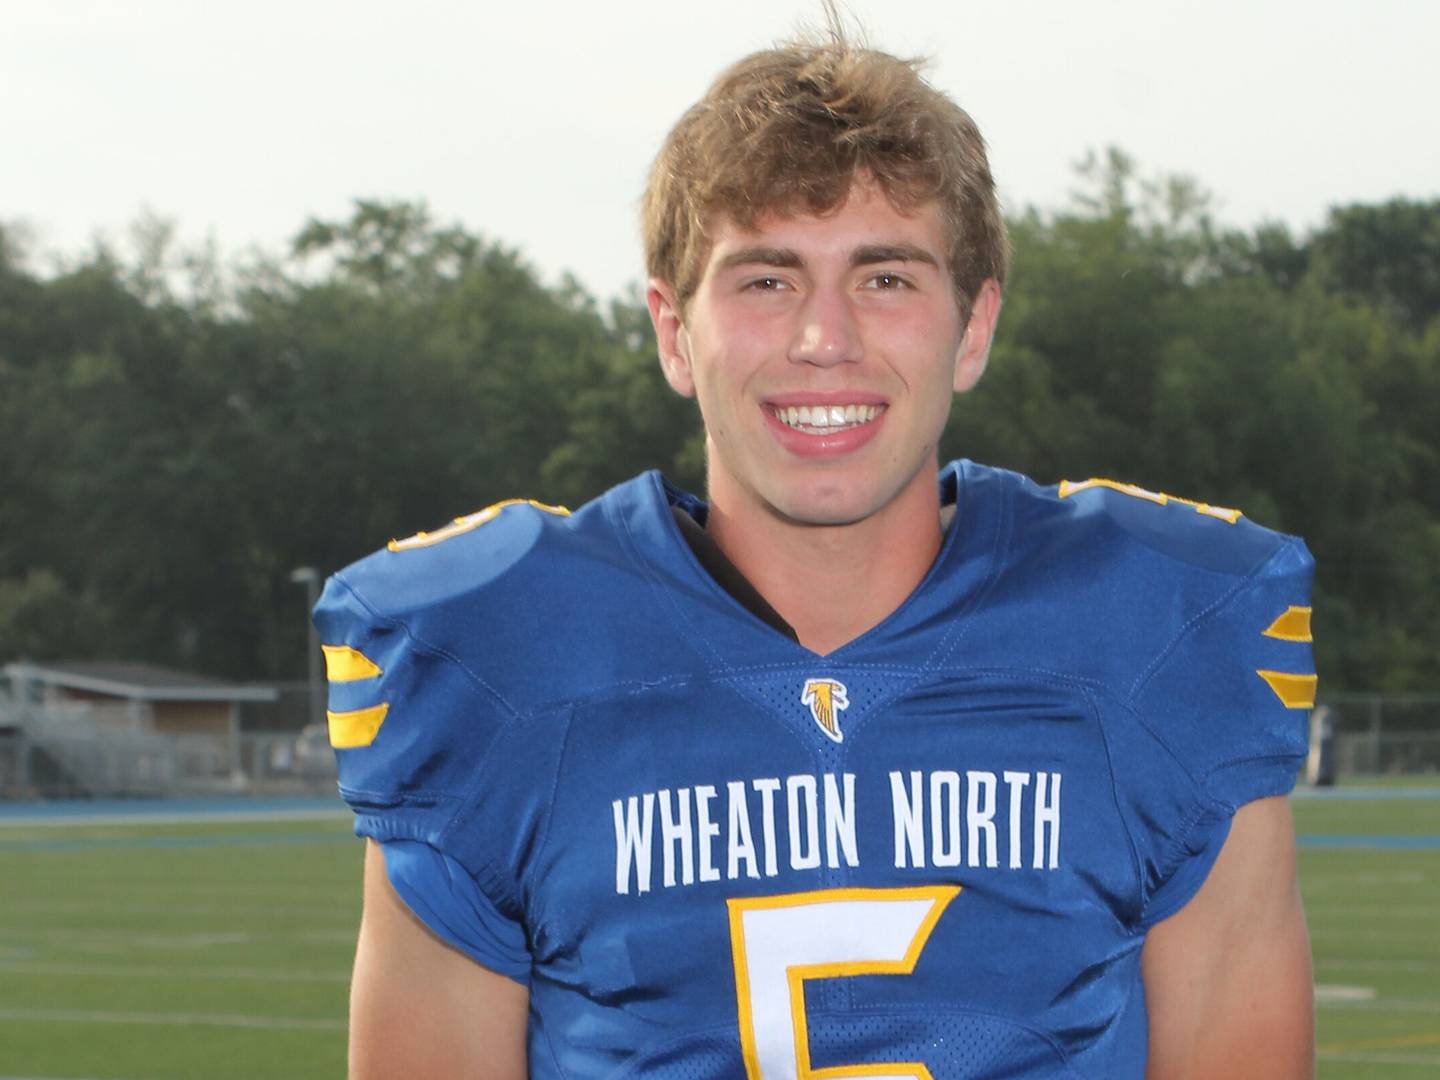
[(670, 336), (979, 333)]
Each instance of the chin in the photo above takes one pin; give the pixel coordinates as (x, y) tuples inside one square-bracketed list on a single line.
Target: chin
[(825, 508)]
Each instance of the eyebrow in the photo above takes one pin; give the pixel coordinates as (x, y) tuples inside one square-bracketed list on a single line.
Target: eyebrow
[(878, 253), (783, 258), (789, 259)]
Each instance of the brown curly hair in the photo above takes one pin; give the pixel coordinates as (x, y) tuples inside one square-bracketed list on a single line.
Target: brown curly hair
[(788, 130)]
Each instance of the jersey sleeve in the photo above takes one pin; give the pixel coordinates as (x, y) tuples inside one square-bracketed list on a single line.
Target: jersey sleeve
[(415, 736), (447, 899), (1228, 702)]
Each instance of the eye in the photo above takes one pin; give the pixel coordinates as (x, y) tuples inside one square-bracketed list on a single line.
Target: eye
[(887, 280), (768, 283)]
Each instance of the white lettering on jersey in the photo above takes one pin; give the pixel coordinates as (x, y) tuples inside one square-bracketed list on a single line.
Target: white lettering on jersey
[(632, 842), (905, 810), (804, 846), (740, 844), (1016, 782), (840, 822), (675, 832), (708, 830), (963, 825), (1047, 813), (980, 817), (945, 818), (767, 787), (910, 818)]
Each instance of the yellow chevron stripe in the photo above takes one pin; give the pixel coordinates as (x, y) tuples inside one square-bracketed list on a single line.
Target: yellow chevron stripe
[(349, 730), (1294, 691), (344, 664), (1293, 624)]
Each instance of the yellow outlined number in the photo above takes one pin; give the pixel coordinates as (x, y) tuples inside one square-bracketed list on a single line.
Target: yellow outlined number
[(778, 942), (1223, 513), (468, 522)]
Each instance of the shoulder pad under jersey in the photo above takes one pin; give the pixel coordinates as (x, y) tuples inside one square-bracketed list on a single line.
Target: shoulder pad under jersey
[(1211, 537), (469, 554)]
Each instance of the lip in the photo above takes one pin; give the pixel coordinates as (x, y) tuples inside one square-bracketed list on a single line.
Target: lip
[(832, 444)]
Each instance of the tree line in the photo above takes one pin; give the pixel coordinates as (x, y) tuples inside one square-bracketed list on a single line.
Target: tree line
[(177, 434)]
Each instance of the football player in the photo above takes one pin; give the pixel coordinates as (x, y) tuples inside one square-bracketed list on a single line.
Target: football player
[(860, 766)]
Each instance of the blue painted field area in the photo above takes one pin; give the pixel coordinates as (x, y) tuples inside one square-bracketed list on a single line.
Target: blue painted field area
[(1373, 843), (1369, 792), (158, 811), (98, 843)]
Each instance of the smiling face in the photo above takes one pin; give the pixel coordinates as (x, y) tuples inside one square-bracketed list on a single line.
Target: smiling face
[(824, 352)]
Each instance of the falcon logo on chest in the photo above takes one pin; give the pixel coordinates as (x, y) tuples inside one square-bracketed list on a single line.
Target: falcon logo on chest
[(826, 699)]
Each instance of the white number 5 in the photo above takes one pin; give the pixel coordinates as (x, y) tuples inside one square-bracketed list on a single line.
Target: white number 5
[(780, 941)]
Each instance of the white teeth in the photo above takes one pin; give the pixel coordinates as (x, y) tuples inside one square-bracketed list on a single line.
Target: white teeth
[(818, 419)]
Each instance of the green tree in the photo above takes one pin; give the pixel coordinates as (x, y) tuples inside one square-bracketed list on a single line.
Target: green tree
[(176, 436)]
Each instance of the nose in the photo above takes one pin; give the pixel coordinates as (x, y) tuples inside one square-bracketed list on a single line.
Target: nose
[(826, 332)]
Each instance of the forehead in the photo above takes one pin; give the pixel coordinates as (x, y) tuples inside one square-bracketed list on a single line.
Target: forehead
[(866, 218)]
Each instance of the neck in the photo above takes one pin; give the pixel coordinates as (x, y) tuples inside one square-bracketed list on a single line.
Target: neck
[(832, 583)]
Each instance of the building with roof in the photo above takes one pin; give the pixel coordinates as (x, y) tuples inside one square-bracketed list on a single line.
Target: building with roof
[(124, 728)]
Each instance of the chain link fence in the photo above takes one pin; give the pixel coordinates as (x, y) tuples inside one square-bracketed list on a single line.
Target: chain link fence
[(283, 748), (1385, 734)]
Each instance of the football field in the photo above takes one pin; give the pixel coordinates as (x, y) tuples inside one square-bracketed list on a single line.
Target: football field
[(1370, 872), (217, 946)]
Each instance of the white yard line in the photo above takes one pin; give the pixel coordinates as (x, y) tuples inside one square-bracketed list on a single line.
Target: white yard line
[(1375, 965), (19, 941), (1407, 1005), (79, 1016), (128, 972), (81, 937), (1380, 1058), (1362, 911), (1332, 993)]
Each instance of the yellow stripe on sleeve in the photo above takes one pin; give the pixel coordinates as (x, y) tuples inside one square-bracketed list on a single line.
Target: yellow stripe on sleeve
[(349, 730), (1294, 691), (1293, 624), (344, 664)]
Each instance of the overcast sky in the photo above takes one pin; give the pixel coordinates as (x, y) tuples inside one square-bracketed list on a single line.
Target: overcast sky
[(534, 123)]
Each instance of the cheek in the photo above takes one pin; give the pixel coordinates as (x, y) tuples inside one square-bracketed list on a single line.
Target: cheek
[(931, 372), (725, 373), (923, 344), (715, 397)]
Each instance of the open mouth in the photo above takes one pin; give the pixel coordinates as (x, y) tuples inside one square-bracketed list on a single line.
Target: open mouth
[(825, 419)]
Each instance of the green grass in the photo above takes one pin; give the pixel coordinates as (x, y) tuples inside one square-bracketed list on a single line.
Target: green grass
[(1408, 780), (162, 952), (222, 950), (1375, 931)]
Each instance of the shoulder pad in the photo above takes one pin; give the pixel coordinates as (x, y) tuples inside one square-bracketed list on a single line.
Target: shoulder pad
[(467, 554), (1214, 538)]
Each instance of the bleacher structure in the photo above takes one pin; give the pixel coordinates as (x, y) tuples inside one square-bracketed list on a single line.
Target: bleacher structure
[(120, 729), (83, 730)]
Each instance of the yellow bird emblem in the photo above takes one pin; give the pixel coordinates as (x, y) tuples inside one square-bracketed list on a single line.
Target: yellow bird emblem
[(825, 699)]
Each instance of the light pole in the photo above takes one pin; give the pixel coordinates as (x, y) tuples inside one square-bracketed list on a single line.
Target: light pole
[(310, 578)]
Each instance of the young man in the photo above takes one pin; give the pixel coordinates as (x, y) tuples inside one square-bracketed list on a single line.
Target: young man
[(862, 767)]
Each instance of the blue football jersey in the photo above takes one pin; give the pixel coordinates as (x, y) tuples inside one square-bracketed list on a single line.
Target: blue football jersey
[(713, 853)]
